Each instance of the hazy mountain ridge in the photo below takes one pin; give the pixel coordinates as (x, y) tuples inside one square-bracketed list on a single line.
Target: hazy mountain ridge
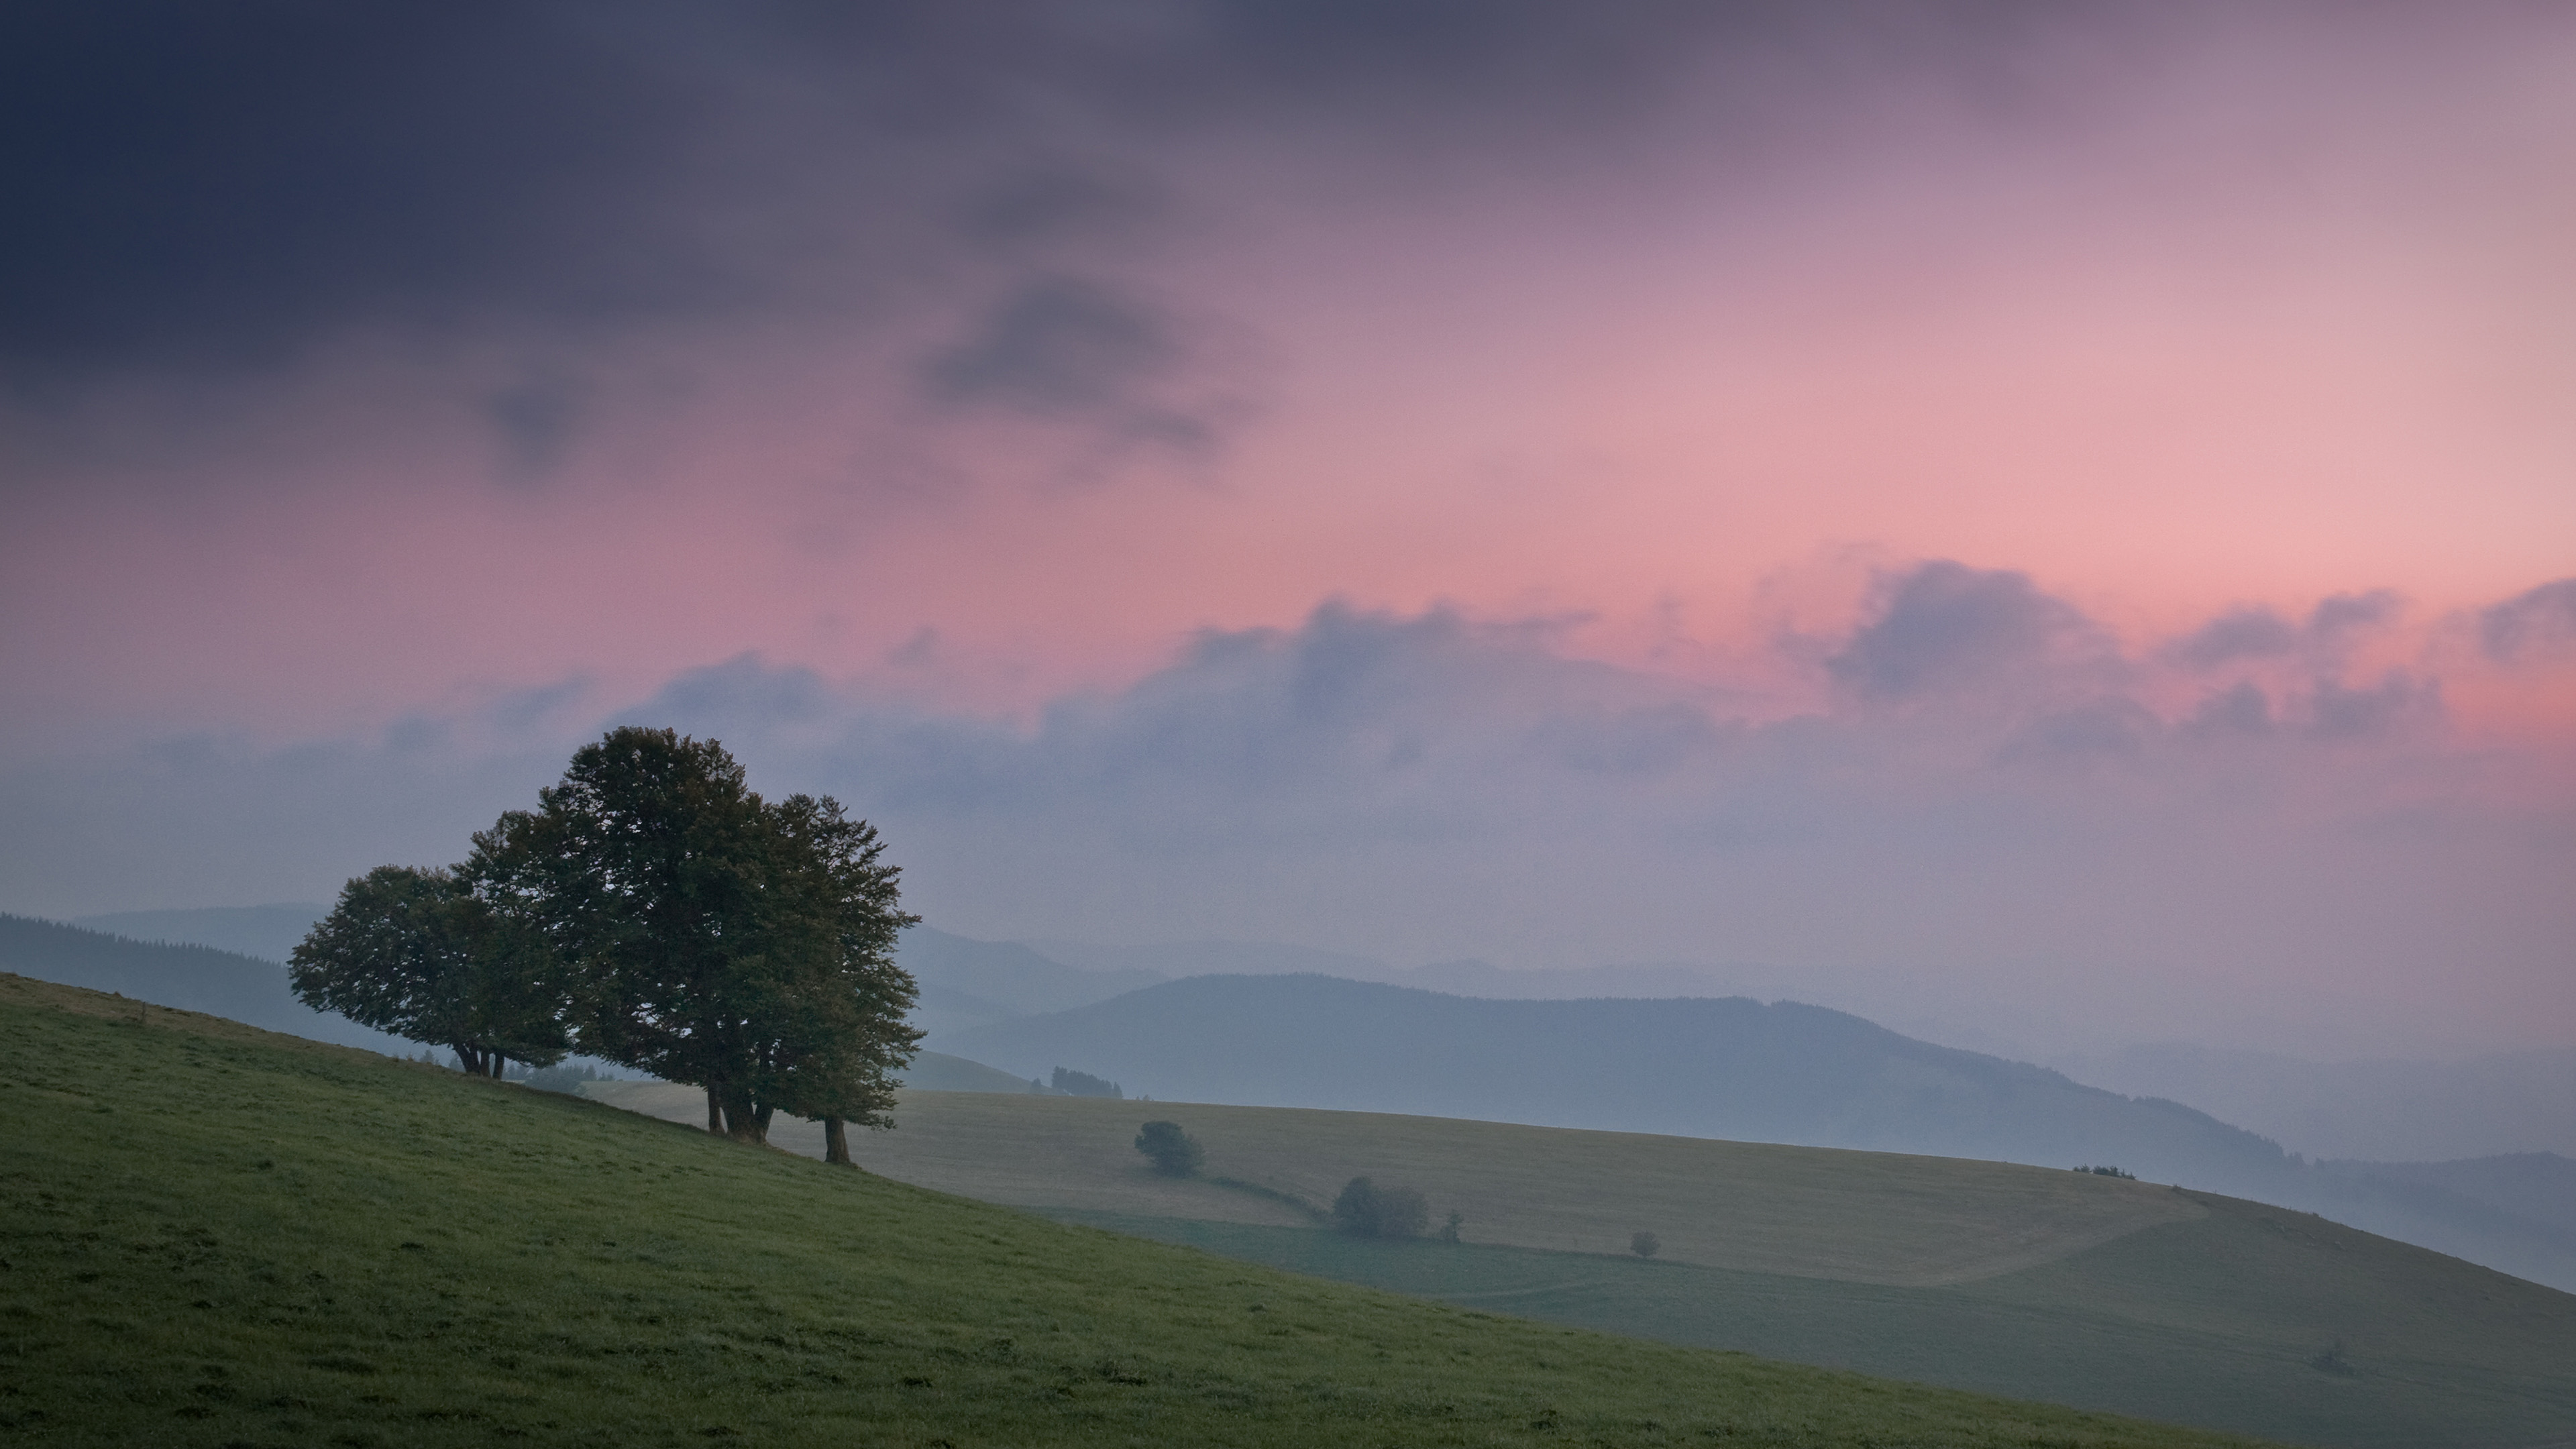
[(2379, 1111), (1728, 1068), (191, 977), (268, 933)]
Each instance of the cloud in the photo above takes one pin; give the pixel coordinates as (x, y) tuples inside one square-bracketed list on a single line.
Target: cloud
[(2257, 632), (1944, 626), (2339, 712), (1426, 785), (2529, 622), (2249, 632)]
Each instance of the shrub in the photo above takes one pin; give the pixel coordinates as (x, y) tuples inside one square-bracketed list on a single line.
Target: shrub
[(1368, 1211), (1645, 1245), (1175, 1152), (2109, 1172)]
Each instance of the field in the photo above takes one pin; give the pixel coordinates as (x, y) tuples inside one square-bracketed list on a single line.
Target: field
[(213, 1236), (2032, 1282)]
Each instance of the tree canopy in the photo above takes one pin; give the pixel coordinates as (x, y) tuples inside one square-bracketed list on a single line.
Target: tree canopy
[(1175, 1153), (655, 912), (413, 953), (713, 937), (1367, 1210)]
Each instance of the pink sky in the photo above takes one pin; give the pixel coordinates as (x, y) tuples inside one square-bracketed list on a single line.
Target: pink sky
[(2230, 315)]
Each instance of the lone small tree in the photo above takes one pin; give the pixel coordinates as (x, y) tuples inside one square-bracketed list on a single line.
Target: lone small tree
[(1645, 1245), (411, 952), (1366, 1210), (1175, 1153)]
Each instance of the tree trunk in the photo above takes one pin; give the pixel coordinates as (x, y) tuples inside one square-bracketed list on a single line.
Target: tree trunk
[(836, 1142), (715, 1113), (471, 1060), (741, 1122)]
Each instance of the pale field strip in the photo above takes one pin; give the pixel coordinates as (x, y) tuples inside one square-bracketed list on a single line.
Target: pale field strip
[(1867, 1217)]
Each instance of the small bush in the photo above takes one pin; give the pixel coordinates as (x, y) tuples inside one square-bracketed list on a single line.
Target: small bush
[(1645, 1245), (1084, 1084), (2109, 1172), (1366, 1210), (1175, 1152)]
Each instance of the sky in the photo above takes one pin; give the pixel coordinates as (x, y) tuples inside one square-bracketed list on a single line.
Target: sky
[(2051, 521)]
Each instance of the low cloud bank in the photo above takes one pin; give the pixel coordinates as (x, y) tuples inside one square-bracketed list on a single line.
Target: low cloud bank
[(1990, 814)]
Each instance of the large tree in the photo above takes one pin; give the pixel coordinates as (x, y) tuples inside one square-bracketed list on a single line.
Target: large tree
[(413, 953), (711, 937), (831, 919)]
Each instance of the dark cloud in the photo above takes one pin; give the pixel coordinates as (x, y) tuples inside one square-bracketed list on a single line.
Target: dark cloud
[(1055, 346), (536, 421), (2529, 621), (218, 187), (192, 185), (1945, 626)]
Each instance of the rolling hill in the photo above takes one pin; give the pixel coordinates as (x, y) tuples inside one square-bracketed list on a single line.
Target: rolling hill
[(213, 1235), (1729, 1068), (2043, 1283)]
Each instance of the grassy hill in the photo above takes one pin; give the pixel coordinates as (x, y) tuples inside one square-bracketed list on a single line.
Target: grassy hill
[(2036, 1282), (213, 1236), (1727, 1068)]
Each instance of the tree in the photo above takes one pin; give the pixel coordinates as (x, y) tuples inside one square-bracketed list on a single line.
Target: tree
[(709, 936), (840, 1035), (1175, 1152), (1084, 1084), (1366, 1210), (1645, 1245), (413, 953)]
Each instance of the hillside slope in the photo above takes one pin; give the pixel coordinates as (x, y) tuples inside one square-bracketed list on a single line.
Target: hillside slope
[(217, 1236), (1728, 1068), (2036, 1282), (1863, 1217)]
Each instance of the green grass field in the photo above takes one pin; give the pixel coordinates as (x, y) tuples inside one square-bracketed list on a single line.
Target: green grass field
[(2085, 1290), (213, 1236)]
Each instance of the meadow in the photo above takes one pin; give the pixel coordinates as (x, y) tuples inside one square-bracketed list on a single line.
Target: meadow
[(2111, 1294), (214, 1236)]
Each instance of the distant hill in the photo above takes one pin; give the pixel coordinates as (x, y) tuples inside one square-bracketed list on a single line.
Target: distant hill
[(267, 932), (939, 1072), (192, 978), (2384, 1111), (966, 982), (1727, 1068)]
